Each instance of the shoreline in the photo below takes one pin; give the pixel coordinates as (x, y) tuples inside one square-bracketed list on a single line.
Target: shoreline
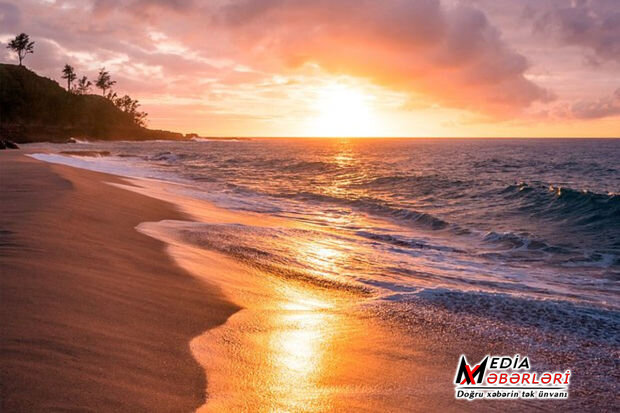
[(295, 346), (94, 314)]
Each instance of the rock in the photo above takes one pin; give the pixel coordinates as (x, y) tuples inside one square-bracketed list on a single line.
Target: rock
[(7, 144)]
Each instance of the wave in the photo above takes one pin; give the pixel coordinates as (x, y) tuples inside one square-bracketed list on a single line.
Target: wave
[(521, 241), (554, 316), (404, 242), (581, 207), (93, 154), (168, 157), (376, 207), (417, 185), (308, 166), (526, 247), (252, 246), (494, 245), (368, 205), (164, 156), (78, 141)]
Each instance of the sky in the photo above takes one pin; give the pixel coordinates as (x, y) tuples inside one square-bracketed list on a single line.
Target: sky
[(477, 68)]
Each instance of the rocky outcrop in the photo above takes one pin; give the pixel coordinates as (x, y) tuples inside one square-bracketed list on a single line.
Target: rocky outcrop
[(7, 144)]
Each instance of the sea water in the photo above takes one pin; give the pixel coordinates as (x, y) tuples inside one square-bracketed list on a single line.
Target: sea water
[(515, 240), (441, 220)]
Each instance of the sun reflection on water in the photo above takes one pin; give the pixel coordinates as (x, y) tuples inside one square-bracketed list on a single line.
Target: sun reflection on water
[(298, 345), (351, 171), (322, 258), (291, 344), (304, 328)]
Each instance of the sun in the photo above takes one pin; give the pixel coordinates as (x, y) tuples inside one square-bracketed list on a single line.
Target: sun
[(343, 111)]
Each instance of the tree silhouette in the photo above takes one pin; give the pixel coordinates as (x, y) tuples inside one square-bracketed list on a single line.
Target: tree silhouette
[(83, 86), (130, 106), (111, 96), (21, 45), (69, 73), (104, 81)]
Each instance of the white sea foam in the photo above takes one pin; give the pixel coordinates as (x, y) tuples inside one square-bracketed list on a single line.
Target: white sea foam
[(107, 164)]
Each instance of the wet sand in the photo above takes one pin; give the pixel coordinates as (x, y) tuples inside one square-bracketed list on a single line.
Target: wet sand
[(295, 346)]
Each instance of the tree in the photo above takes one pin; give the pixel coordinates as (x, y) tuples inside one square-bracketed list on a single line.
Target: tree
[(130, 106), (104, 81), (111, 96), (21, 45), (69, 73), (83, 86)]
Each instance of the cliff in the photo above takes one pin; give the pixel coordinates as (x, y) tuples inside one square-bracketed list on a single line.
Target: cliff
[(35, 108)]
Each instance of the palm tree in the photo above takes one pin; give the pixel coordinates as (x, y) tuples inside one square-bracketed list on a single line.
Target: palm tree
[(69, 73), (83, 86), (104, 81), (21, 45)]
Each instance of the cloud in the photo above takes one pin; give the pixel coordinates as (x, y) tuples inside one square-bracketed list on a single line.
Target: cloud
[(9, 16), (594, 25), (443, 54), (453, 54), (147, 9), (601, 108), (48, 56)]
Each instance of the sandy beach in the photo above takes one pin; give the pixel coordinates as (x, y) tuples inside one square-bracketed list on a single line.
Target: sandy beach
[(309, 206), (108, 305), (95, 316)]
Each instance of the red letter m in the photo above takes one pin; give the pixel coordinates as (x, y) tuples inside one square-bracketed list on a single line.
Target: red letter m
[(471, 375)]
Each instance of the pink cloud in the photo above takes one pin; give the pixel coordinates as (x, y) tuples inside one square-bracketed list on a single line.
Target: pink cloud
[(10, 16), (454, 55), (601, 108), (594, 25)]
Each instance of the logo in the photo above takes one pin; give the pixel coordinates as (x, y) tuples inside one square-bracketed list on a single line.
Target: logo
[(507, 377)]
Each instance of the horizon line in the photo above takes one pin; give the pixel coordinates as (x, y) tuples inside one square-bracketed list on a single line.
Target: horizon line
[(404, 137)]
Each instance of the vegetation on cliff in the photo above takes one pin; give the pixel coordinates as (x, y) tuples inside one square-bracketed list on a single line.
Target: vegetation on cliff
[(34, 108)]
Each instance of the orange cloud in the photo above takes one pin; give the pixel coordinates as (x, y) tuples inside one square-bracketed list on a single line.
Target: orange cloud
[(453, 55), (210, 66)]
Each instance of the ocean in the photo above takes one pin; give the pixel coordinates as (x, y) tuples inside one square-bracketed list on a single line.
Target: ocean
[(509, 244), (529, 218)]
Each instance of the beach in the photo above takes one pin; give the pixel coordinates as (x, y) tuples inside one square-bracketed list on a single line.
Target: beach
[(112, 301), (309, 206), (95, 315)]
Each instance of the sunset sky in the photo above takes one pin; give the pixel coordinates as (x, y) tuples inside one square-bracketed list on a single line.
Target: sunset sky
[(341, 67)]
